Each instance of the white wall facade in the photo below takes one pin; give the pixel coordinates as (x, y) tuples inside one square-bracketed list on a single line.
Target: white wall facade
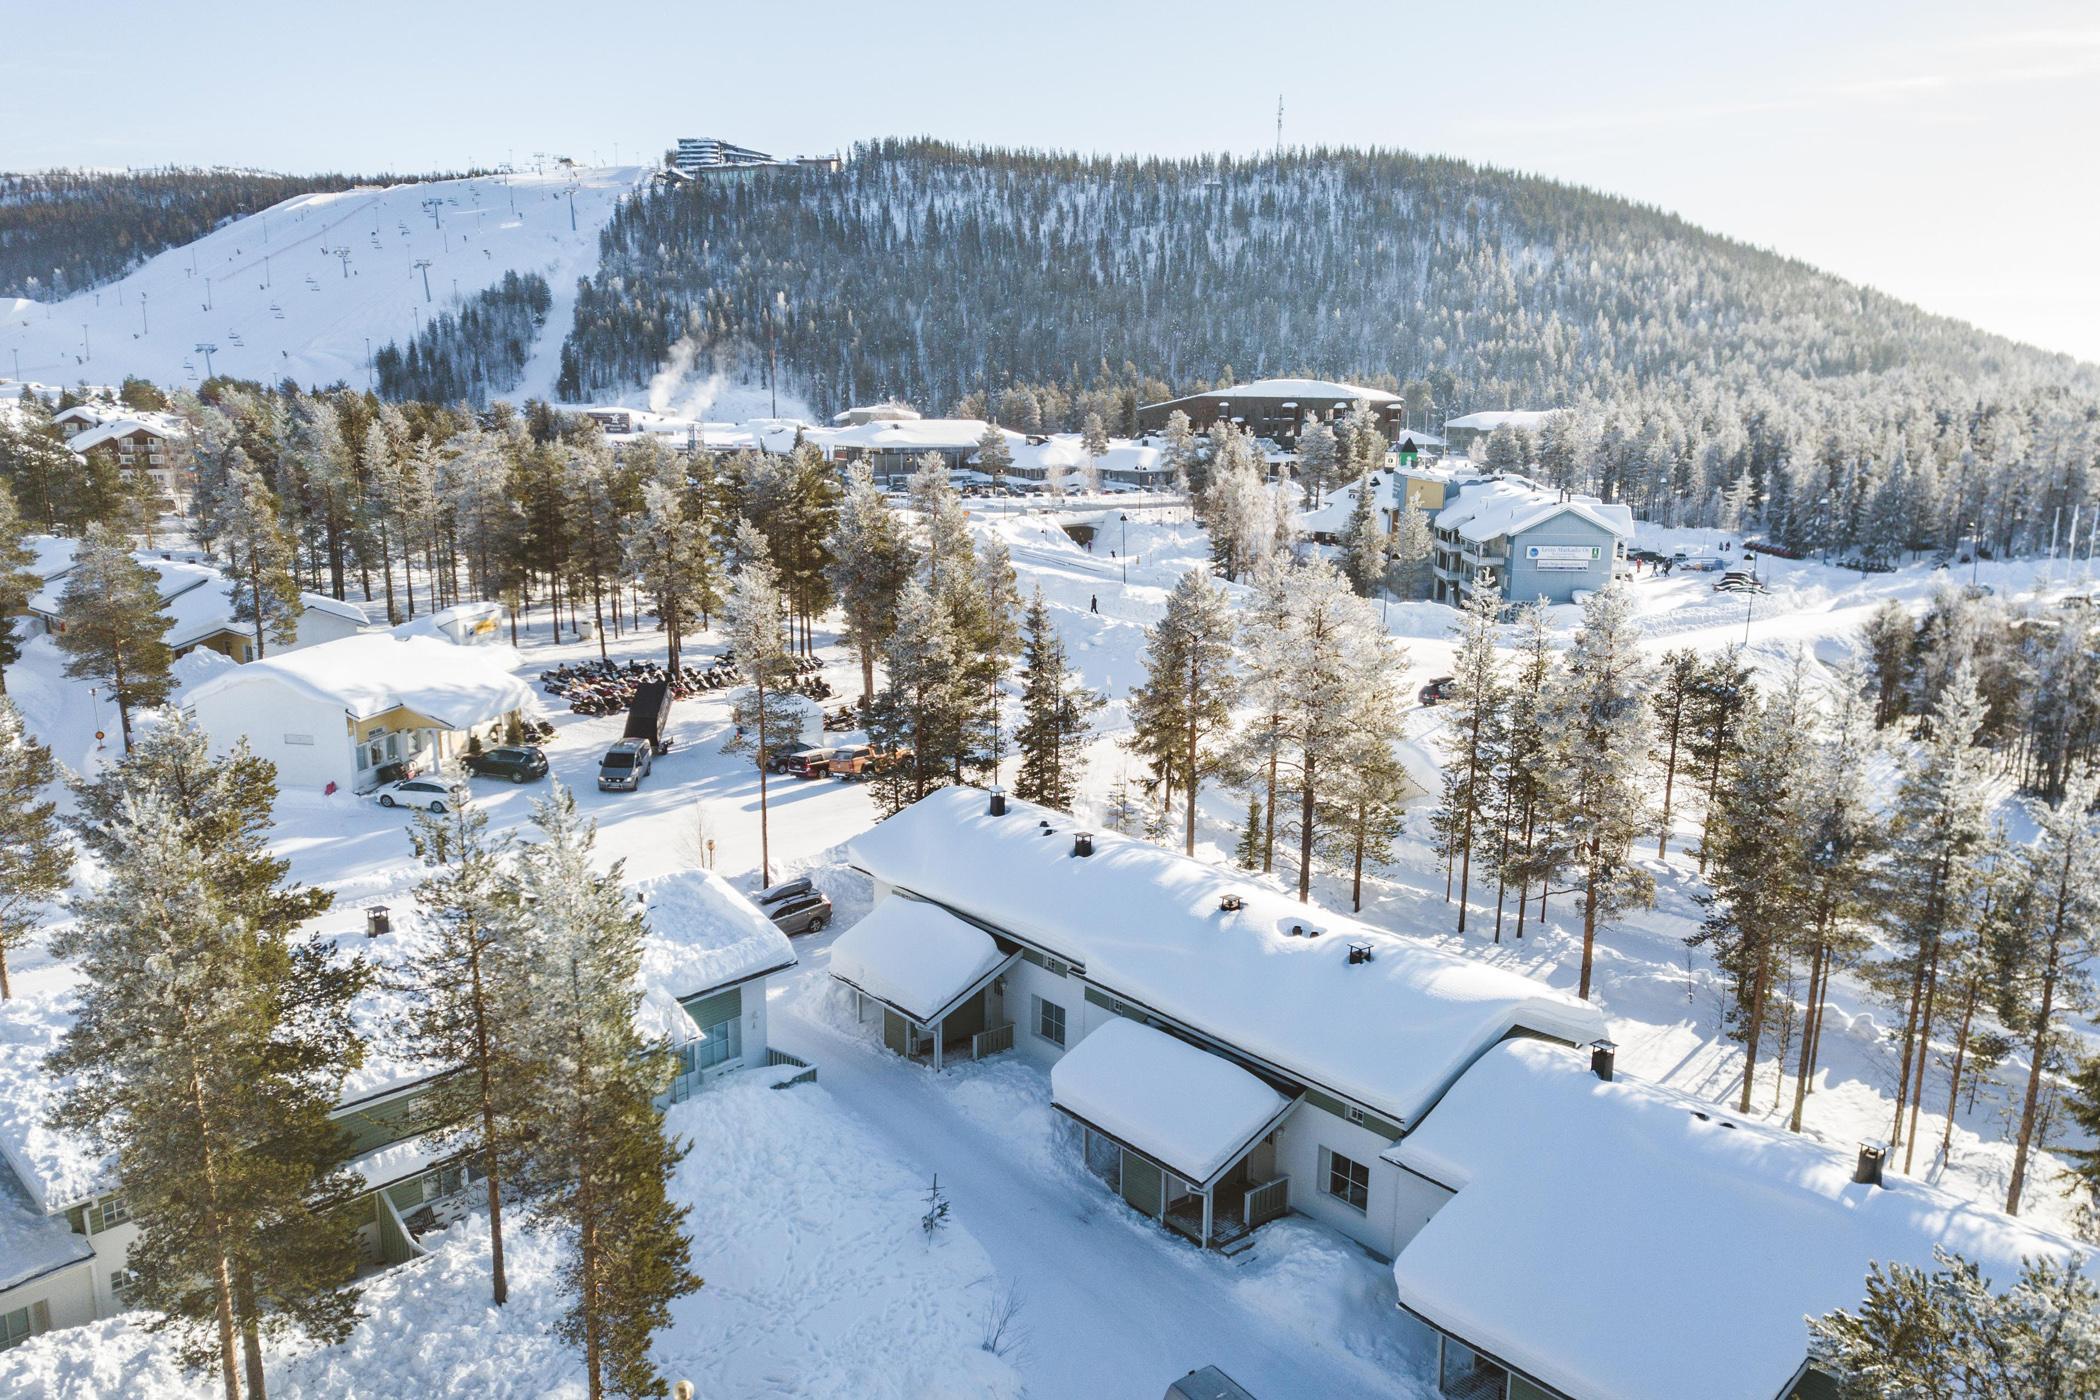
[(307, 738)]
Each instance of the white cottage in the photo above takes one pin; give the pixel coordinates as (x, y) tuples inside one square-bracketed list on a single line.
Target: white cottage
[(349, 713)]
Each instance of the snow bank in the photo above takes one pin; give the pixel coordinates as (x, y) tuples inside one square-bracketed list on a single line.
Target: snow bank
[(1587, 1207), (916, 956), (1187, 1109)]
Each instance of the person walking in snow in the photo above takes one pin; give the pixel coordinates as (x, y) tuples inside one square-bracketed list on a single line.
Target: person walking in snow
[(1093, 602)]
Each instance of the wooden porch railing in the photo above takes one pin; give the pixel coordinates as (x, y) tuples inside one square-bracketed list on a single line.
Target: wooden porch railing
[(992, 1042), (1268, 1201), (782, 1057)]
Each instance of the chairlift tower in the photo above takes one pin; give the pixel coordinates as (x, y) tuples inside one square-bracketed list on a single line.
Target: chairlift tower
[(343, 255), (205, 348), (423, 266)]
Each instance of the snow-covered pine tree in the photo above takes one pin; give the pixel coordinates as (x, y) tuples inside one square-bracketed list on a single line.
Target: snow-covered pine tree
[(669, 550), (599, 1168), (1757, 899), (871, 561), (599, 493), (986, 608), (36, 859), (461, 1019), (922, 717), (1476, 734), (1719, 701), (2060, 872), (1519, 778), (115, 632), (1841, 841), (1318, 458), (260, 556), (1364, 541), (1938, 832), (943, 525), (765, 715), (377, 460), (1414, 544), (1256, 754), (994, 458), (1889, 639), (1055, 714), (1184, 704), (1093, 440), (1950, 1333), (1598, 765), (1182, 457), (18, 582), (1247, 853), (1335, 659), (1369, 791), (207, 1053), (1505, 449), (1676, 685)]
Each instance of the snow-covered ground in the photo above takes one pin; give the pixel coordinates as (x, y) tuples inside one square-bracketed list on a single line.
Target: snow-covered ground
[(1107, 1305), (282, 302)]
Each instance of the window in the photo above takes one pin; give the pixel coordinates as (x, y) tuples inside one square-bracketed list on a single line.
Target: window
[(120, 1284), (1464, 1374), (724, 1043), (1356, 1115), (1348, 1182), (108, 1213), (14, 1328), (1050, 1021)]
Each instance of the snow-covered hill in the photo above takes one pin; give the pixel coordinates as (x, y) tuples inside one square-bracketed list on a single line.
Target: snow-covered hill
[(277, 295)]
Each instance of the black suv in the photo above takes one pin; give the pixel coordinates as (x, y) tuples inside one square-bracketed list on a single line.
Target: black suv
[(1442, 688), (519, 763)]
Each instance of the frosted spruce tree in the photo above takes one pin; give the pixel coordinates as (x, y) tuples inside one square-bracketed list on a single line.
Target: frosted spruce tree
[(1475, 736), (1056, 714), (2060, 875), (1319, 457), (599, 1165), (1364, 542), (115, 632), (1182, 710), (36, 858), (18, 582), (1598, 765), (670, 552), (1093, 441), (260, 556), (994, 458), (923, 716), (872, 557), (207, 1054), (767, 715), (1518, 778), (1414, 545), (1938, 833), (463, 1019), (1721, 697), (1676, 684)]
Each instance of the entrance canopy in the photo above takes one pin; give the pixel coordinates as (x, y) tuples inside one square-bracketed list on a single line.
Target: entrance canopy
[(1185, 1109), (916, 958)]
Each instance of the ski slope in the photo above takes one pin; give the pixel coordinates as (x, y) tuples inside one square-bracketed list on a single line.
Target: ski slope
[(277, 295)]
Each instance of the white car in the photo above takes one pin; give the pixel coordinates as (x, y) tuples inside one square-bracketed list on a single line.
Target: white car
[(431, 794)]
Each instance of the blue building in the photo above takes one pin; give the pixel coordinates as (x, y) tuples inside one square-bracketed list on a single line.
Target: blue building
[(1528, 540)]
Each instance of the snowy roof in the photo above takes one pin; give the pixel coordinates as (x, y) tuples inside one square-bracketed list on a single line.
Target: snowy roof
[(53, 555), (55, 1169), (1067, 451), (110, 429), (1528, 419), (195, 595), (916, 956), (1293, 389), (876, 412), (1497, 509), (1405, 435), (371, 674), (32, 1243), (1390, 1034), (913, 434), (1188, 1110), (704, 935), (1582, 1204)]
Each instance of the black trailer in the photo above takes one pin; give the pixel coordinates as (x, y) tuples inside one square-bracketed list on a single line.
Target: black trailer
[(649, 714)]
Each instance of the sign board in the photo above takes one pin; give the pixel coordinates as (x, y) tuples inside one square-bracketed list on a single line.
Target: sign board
[(1562, 556)]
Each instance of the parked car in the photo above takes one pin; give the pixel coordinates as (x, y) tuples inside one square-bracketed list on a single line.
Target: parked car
[(808, 763), (1438, 690), (431, 794), (860, 761), (801, 913), (786, 889), (521, 763), (625, 765)]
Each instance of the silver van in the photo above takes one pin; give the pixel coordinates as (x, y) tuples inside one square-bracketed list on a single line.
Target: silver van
[(625, 765)]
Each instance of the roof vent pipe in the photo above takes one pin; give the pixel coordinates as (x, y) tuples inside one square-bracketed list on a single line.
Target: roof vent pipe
[(1871, 1156), (1604, 1057), (1082, 843), (998, 805), (1232, 903)]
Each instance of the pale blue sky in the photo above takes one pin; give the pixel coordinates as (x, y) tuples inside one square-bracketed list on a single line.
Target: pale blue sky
[(1944, 152)]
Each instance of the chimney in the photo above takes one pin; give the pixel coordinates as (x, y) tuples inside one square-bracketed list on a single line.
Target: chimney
[(1082, 843), (377, 921), (1871, 1156), (998, 803), (1603, 1058)]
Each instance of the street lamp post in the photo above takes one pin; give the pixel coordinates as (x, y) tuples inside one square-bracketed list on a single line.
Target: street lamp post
[(1125, 517)]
